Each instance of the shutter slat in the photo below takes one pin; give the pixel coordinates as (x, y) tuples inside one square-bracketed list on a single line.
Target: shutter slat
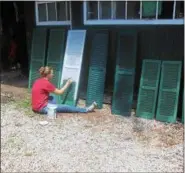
[(37, 53), (148, 90), (169, 91)]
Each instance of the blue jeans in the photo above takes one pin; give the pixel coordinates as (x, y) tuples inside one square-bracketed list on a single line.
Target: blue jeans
[(62, 108)]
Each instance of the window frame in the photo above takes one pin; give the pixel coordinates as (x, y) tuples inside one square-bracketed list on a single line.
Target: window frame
[(51, 23), (114, 21)]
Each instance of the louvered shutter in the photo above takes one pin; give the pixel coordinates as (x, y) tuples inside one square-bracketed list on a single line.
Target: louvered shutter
[(37, 53), (72, 64), (125, 73), (169, 91), (55, 56), (97, 69), (148, 90)]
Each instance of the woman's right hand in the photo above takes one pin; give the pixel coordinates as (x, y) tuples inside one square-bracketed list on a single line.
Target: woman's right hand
[(62, 90), (69, 81)]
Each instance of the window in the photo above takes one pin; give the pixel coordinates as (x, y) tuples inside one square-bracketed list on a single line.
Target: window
[(105, 10), (52, 13), (133, 12), (92, 10), (120, 10)]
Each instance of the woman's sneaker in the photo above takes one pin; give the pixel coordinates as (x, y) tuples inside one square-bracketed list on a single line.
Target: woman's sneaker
[(92, 107)]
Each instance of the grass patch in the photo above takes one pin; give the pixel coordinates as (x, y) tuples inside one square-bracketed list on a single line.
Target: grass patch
[(25, 105)]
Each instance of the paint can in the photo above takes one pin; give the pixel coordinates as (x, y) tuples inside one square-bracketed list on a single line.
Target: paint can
[(51, 111)]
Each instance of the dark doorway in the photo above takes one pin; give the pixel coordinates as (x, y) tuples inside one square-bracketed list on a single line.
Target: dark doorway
[(13, 28)]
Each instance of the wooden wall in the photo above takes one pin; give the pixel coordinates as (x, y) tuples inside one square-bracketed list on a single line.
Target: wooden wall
[(164, 43), (154, 42)]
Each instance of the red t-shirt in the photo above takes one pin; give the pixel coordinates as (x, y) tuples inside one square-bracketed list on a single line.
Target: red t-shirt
[(40, 93)]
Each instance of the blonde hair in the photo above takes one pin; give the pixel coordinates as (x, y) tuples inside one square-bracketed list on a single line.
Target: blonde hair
[(44, 71)]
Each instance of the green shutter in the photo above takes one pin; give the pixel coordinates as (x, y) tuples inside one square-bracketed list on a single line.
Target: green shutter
[(85, 67), (123, 92), (148, 90), (97, 69), (149, 8), (169, 91), (37, 53), (95, 91), (55, 56), (125, 73)]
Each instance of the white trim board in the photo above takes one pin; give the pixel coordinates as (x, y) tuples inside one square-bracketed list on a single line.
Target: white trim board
[(135, 22)]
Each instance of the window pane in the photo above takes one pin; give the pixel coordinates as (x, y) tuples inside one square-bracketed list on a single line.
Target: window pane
[(51, 12), (133, 10), (68, 10), (92, 10), (61, 11), (149, 9), (120, 10), (42, 12), (105, 10), (179, 9), (166, 10)]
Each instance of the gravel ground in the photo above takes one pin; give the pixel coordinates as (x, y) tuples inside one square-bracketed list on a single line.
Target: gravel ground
[(79, 144)]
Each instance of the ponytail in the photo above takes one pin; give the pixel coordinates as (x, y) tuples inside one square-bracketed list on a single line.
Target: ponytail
[(44, 71)]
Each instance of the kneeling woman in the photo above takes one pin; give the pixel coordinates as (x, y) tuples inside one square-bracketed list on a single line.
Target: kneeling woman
[(41, 89)]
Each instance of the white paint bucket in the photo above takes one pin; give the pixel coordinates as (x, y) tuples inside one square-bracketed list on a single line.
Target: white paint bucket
[(51, 111)]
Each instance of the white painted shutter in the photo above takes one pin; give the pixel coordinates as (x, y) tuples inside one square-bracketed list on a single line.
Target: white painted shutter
[(73, 61)]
